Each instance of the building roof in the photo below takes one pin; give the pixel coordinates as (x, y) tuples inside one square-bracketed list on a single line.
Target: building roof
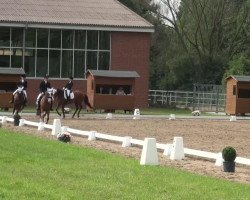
[(107, 13), (240, 78), (8, 70), (114, 74)]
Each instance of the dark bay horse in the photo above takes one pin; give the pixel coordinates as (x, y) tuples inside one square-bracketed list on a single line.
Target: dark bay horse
[(45, 106), (79, 98), (18, 103)]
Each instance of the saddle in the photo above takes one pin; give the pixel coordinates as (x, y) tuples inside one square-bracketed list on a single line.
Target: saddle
[(70, 97)]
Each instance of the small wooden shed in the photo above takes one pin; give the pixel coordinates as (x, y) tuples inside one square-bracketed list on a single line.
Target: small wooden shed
[(238, 95), (103, 84), (8, 84)]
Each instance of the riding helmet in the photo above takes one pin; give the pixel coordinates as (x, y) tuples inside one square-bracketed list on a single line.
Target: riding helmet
[(23, 75), (46, 76), (71, 77)]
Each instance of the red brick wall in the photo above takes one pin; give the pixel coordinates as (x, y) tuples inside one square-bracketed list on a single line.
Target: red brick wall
[(130, 51)]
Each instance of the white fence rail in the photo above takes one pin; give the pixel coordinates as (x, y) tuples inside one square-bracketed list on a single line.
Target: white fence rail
[(164, 147)]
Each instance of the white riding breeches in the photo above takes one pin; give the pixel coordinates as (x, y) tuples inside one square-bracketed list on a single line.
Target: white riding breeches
[(19, 90), (38, 97)]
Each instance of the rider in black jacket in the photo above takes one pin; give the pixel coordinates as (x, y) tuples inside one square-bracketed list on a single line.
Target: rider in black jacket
[(68, 88), (22, 86), (43, 87)]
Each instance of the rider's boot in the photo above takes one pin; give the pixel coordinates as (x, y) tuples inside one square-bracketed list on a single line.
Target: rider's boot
[(51, 106), (25, 102), (12, 100)]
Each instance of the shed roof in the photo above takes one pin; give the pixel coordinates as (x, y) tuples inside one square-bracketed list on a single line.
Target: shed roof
[(8, 70), (240, 78), (114, 74), (71, 12)]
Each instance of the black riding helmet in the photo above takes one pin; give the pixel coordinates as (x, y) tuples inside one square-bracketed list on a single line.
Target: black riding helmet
[(23, 75), (71, 77)]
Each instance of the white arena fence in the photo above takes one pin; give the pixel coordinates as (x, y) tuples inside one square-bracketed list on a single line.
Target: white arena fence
[(126, 141)]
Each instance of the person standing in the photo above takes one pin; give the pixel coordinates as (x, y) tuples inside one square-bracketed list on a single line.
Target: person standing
[(21, 86)]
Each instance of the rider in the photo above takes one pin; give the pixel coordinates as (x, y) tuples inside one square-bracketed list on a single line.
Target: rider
[(44, 86), (21, 86), (68, 88)]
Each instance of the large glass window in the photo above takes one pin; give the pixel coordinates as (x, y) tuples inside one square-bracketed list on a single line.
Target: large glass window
[(61, 53), (103, 61), (104, 40), (54, 63), (92, 40), (55, 38), (42, 38), (80, 39), (4, 57), (4, 37), (79, 64), (67, 64), (29, 62), (30, 37), (17, 58), (42, 63), (67, 39), (92, 60), (17, 37)]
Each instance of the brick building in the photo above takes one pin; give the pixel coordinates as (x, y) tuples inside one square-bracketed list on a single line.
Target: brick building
[(65, 38)]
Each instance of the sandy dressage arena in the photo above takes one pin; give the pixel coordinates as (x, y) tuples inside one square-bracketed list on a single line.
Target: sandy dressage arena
[(200, 134)]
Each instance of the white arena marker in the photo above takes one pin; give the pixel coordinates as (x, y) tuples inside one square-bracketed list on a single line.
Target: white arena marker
[(168, 149), (136, 114), (178, 150), (109, 116), (21, 122), (127, 141), (92, 135), (149, 154), (172, 117), (233, 118), (56, 127), (40, 126), (219, 160)]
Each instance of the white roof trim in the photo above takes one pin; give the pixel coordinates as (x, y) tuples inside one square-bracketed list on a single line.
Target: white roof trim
[(82, 27)]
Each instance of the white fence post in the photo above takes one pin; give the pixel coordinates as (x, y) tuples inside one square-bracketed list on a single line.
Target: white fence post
[(109, 116), (172, 117), (127, 141), (92, 135), (219, 160), (168, 149), (40, 126), (136, 114), (178, 150), (56, 127), (21, 122), (149, 154), (4, 119)]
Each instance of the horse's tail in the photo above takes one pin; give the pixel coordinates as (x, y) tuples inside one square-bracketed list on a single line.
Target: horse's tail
[(86, 101)]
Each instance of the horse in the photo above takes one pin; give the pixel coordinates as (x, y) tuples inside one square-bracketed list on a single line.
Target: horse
[(18, 103), (45, 105), (79, 97)]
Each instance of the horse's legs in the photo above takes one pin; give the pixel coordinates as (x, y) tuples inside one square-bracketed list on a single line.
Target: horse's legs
[(75, 110), (63, 106), (79, 111), (47, 120), (57, 110)]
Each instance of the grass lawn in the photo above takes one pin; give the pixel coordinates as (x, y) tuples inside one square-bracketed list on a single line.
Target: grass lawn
[(36, 168)]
